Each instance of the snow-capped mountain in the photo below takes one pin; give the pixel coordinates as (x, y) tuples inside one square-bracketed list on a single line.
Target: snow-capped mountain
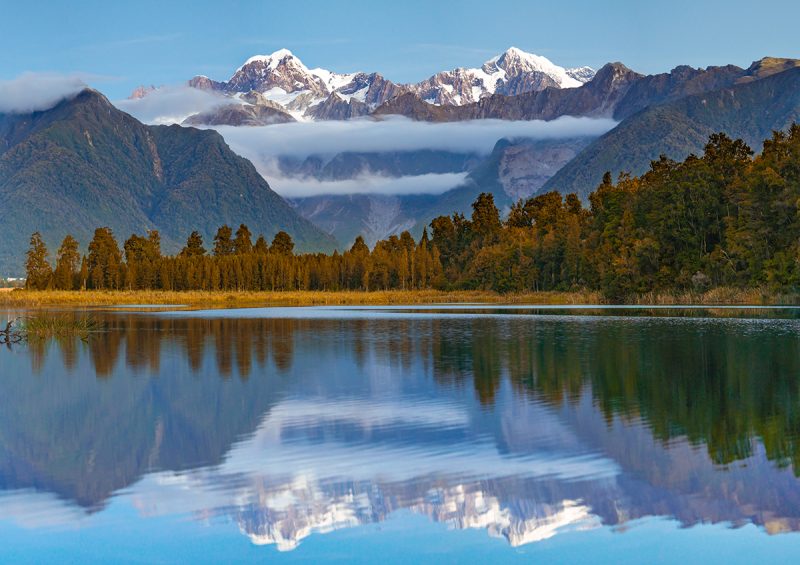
[(514, 72), (305, 93)]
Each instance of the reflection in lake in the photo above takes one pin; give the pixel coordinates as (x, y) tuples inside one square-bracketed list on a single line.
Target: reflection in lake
[(524, 426)]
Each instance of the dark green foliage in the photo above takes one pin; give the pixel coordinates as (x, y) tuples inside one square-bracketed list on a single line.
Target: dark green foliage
[(723, 219), (84, 164), (676, 129)]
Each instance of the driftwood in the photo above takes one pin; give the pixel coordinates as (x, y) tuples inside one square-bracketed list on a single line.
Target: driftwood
[(10, 335)]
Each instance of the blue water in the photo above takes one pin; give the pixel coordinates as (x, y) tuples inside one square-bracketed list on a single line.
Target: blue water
[(424, 434)]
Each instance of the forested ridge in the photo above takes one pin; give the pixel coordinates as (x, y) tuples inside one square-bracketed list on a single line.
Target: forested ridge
[(725, 218)]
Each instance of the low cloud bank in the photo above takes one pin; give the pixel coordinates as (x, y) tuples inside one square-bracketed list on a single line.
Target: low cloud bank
[(172, 104), (32, 92), (293, 187), (265, 145), (302, 139)]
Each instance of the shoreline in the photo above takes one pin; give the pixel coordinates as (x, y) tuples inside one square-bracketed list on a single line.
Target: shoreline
[(715, 297)]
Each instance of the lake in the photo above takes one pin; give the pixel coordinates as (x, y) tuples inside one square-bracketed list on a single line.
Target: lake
[(405, 434)]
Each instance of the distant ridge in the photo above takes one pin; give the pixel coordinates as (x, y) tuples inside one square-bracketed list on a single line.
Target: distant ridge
[(749, 109), (84, 164)]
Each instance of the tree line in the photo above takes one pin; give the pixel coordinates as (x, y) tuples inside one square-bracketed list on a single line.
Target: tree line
[(725, 218), (234, 262)]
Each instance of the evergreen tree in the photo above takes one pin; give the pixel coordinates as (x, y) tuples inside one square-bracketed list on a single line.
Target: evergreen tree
[(68, 264), (194, 246), (104, 260), (282, 244), (39, 274), (243, 243), (485, 216), (261, 247), (223, 245)]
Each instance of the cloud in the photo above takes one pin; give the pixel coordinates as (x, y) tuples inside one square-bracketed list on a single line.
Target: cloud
[(302, 139), (301, 187), (31, 92), (265, 145), (171, 104)]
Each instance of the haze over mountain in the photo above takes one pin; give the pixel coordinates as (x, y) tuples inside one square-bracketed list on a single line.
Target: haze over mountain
[(84, 164)]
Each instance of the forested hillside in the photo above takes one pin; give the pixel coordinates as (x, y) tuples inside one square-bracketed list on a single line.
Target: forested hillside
[(84, 163), (749, 111), (723, 219)]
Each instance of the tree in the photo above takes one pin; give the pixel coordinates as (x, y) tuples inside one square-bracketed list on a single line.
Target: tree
[(104, 260), (223, 245), (83, 275), (243, 243), (194, 246), (39, 274), (261, 247), (142, 257), (68, 263), (485, 216), (282, 244)]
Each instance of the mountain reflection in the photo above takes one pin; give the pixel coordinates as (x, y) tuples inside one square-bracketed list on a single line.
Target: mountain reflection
[(524, 426)]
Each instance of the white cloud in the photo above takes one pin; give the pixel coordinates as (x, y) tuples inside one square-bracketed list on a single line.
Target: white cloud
[(171, 104), (299, 187), (31, 92), (264, 145), (301, 139)]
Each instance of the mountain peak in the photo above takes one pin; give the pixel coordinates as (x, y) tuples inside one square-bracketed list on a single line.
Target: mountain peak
[(514, 62), (769, 66), (273, 60)]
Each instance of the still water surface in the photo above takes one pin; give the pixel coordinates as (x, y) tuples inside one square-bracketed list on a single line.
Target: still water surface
[(423, 434)]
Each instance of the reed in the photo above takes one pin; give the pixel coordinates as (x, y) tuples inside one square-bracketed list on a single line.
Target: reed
[(43, 299), (58, 326), (194, 299)]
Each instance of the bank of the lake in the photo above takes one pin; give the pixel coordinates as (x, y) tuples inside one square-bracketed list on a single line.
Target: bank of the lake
[(719, 296)]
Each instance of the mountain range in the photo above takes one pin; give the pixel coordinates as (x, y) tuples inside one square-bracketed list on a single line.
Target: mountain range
[(84, 164), (283, 80), (657, 114)]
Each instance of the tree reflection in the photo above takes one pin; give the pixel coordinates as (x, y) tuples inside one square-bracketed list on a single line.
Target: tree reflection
[(721, 383)]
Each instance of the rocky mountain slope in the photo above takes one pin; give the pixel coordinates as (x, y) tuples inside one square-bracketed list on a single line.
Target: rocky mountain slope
[(320, 94), (84, 164), (749, 109), (513, 86), (515, 169)]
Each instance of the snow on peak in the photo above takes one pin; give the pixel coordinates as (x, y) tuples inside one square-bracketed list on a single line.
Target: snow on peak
[(333, 80), (273, 60), (515, 61), (582, 74)]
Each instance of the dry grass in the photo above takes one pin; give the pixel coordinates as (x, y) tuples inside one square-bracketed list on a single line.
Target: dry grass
[(28, 299), (42, 299), (720, 296)]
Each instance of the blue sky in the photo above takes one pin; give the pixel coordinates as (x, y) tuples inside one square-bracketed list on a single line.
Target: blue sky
[(122, 44)]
